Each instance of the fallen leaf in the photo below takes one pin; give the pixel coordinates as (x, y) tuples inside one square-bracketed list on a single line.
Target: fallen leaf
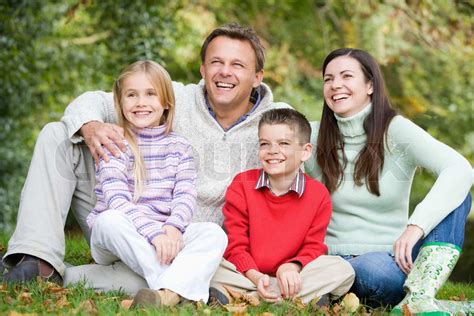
[(236, 309), (336, 309), (62, 302), (406, 310), (266, 314), (25, 297), (88, 307), (350, 302), (125, 304), (14, 313), (9, 300), (239, 297)]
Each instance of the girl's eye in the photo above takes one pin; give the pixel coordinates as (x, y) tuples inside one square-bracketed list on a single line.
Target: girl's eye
[(151, 93)]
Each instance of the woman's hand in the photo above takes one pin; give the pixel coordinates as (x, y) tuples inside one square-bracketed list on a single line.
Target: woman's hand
[(403, 247), (98, 134), (168, 245), (289, 279)]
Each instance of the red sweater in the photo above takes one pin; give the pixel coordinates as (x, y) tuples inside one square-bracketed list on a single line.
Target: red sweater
[(266, 231)]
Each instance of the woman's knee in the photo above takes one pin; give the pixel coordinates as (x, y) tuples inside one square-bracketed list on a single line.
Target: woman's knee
[(378, 279)]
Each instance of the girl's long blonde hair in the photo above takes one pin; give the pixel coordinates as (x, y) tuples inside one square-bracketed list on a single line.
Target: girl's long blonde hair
[(161, 81)]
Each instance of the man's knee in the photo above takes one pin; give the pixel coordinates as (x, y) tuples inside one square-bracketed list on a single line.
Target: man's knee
[(52, 134)]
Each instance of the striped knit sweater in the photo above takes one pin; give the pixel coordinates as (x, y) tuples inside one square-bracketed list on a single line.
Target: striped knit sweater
[(169, 195)]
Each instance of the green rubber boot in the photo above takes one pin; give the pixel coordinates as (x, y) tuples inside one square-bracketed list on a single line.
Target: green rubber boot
[(431, 269), (457, 307)]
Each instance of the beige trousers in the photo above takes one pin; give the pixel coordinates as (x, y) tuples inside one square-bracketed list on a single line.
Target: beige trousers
[(61, 176), (324, 275)]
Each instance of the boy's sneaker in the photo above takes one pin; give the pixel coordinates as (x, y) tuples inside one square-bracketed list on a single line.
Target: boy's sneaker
[(157, 298), (217, 297)]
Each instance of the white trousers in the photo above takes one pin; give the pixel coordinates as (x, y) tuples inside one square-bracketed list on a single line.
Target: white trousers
[(114, 237)]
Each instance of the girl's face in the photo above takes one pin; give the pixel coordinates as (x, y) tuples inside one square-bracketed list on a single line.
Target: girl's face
[(141, 104), (346, 90)]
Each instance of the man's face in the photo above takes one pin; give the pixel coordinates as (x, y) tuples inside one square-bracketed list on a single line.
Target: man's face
[(229, 72)]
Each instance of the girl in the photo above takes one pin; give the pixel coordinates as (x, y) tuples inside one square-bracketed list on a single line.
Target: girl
[(367, 156), (146, 197)]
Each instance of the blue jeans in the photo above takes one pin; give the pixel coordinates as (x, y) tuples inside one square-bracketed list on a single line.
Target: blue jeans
[(378, 278)]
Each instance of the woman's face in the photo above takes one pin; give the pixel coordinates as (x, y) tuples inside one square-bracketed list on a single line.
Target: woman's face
[(346, 90)]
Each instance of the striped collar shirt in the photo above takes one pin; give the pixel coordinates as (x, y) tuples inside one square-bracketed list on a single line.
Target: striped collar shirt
[(255, 99), (297, 185)]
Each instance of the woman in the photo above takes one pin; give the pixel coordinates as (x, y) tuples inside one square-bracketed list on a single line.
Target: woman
[(367, 156)]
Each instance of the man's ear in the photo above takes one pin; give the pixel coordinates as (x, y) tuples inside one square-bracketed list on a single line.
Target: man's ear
[(307, 151), (202, 70), (258, 78)]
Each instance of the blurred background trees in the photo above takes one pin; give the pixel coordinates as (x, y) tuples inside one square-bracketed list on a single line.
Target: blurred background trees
[(52, 52)]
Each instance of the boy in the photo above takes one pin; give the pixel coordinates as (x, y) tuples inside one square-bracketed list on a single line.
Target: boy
[(276, 220)]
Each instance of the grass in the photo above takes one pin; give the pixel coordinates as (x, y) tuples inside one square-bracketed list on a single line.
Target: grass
[(39, 298)]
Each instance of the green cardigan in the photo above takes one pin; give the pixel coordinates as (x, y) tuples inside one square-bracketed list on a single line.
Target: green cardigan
[(362, 222)]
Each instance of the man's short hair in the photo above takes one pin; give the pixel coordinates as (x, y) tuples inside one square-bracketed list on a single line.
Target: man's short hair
[(292, 118), (238, 32)]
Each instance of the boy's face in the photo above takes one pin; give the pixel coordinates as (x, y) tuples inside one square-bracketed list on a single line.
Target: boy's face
[(281, 151)]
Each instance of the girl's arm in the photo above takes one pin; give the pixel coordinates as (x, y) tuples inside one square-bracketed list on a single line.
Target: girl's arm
[(113, 182), (184, 192)]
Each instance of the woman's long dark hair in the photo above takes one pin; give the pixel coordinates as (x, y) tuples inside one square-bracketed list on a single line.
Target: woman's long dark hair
[(371, 158)]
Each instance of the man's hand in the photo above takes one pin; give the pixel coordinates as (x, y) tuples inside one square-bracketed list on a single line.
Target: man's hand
[(403, 247), (289, 279), (262, 281), (97, 134), (166, 248)]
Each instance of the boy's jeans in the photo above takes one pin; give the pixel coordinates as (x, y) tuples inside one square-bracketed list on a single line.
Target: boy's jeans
[(378, 278)]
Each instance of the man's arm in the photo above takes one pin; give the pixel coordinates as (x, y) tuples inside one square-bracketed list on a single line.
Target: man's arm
[(91, 117)]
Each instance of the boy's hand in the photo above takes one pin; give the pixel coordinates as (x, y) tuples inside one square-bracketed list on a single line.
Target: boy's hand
[(289, 279), (262, 281), (263, 289), (167, 248)]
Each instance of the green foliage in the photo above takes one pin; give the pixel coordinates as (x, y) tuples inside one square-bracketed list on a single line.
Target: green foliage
[(51, 52)]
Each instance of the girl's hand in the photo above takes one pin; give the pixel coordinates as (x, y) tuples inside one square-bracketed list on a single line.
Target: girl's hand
[(176, 236), (403, 247), (166, 248), (289, 279), (98, 134)]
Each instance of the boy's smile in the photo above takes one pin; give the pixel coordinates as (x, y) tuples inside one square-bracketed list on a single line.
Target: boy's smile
[(281, 152)]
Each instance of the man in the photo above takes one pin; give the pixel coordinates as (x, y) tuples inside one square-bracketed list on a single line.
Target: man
[(219, 117)]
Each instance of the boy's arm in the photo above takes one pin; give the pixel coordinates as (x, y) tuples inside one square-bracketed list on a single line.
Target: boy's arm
[(236, 223), (313, 244)]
